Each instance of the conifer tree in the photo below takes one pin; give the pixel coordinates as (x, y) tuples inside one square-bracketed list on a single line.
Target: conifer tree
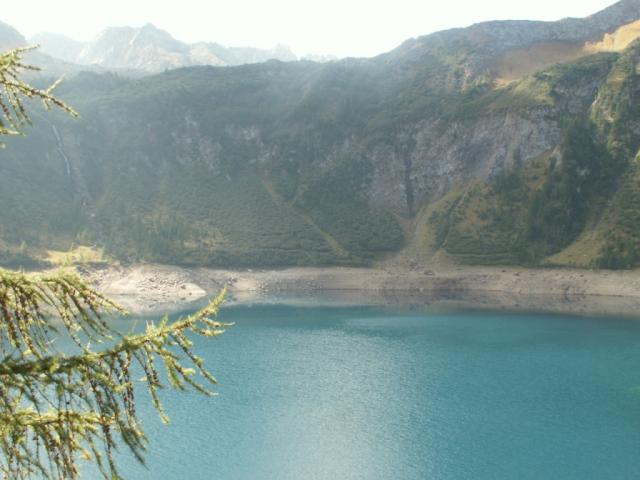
[(60, 408)]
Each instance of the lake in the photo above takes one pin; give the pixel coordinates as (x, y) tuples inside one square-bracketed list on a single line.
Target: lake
[(365, 393)]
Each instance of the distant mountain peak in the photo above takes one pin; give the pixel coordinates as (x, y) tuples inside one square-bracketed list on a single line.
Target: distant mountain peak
[(151, 49)]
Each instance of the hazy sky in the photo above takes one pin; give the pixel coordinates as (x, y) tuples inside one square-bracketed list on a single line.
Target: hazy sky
[(340, 27)]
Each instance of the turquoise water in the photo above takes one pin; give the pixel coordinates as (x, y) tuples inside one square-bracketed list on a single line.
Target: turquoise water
[(357, 393)]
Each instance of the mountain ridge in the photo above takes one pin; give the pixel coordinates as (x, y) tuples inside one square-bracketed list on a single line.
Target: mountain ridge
[(10, 37), (491, 41), (152, 50)]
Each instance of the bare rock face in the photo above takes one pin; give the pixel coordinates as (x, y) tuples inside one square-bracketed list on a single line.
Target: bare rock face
[(450, 154)]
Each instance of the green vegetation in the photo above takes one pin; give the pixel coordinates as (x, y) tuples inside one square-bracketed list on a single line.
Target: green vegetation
[(622, 234), (572, 191), (336, 202), (275, 164), (530, 212), (57, 408), (542, 89), (196, 191), (196, 221), (584, 191)]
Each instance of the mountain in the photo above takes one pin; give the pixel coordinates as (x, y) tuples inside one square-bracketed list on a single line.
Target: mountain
[(58, 46), (145, 48), (51, 67), (311, 57), (150, 49), (10, 37), (506, 143)]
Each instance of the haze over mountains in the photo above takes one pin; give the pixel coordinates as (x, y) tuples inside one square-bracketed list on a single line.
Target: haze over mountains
[(146, 49), (152, 50), (505, 142), (10, 37)]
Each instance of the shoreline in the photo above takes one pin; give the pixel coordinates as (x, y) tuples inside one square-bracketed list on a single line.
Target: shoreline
[(148, 289)]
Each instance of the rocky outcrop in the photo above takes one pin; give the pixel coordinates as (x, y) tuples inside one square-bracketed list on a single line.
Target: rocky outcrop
[(448, 154)]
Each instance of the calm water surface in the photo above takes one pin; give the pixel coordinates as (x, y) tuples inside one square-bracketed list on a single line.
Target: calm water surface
[(358, 393)]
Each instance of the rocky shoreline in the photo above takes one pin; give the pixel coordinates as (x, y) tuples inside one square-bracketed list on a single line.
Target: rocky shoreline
[(153, 289)]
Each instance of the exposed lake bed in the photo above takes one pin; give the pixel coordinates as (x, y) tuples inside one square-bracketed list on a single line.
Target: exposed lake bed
[(152, 289)]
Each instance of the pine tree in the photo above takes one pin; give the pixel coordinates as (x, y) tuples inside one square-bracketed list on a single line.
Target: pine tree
[(58, 408)]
